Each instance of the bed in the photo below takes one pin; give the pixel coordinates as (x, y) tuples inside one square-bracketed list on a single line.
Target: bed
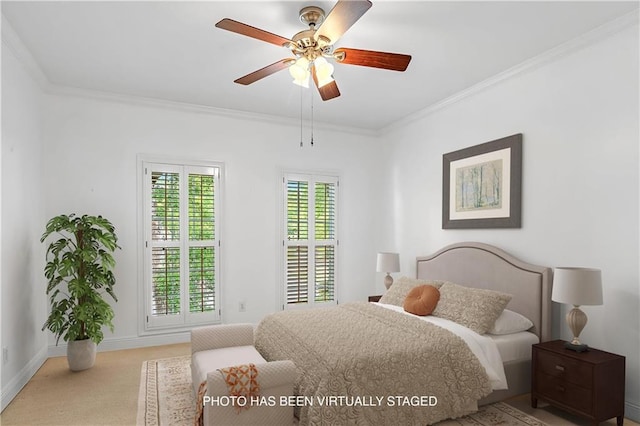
[(364, 363), (489, 267)]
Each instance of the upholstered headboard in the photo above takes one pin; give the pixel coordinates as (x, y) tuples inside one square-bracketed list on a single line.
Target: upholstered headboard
[(484, 266)]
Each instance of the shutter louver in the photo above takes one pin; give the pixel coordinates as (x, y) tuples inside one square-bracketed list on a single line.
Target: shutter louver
[(297, 268), (297, 274), (324, 271), (165, 272), (297, 210), (165, 206), (201, 207), (325, 211), (202, 279)]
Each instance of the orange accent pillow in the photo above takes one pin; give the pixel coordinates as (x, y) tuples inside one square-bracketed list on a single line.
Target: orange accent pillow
[(422, 300)]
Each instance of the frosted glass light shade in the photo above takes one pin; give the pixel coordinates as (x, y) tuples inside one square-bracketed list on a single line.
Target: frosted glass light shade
[(324, 71), (299, 70), (304, 82)]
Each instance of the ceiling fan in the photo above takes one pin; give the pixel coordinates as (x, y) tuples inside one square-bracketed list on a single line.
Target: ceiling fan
[(311, 47)]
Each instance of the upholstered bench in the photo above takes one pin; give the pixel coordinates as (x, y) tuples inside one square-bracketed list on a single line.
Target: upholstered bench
[(221, 346)]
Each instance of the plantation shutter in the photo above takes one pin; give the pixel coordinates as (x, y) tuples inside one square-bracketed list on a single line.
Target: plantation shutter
[(165, 238), (325, 232), (181, 245), (310, 243), (202, 250)]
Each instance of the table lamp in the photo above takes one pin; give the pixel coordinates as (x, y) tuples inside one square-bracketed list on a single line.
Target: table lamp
[(577, 286), (388, 262)]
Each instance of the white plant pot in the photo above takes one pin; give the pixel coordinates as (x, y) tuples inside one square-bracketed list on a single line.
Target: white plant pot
[(81, 354)]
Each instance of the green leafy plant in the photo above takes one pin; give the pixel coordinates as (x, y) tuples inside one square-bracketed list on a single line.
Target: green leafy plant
[(80, 273)]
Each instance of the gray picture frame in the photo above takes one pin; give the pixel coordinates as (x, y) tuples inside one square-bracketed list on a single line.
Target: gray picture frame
[(509, 214)]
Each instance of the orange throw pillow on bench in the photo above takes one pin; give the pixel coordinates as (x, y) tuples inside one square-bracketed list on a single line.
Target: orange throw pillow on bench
[(422, 300)]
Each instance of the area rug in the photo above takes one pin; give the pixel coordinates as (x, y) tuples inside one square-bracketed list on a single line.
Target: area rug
[(495, 414), (166, 399)]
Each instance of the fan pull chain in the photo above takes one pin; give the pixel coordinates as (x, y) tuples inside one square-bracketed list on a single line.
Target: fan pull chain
[(300, 116), (312, 118)]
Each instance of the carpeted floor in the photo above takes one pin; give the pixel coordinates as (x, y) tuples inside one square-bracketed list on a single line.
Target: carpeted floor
[(166, 398), (107, 394)]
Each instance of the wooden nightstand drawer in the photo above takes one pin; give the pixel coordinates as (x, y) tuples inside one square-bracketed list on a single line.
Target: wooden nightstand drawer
[(566, 369), (564, 392), (590, 384)]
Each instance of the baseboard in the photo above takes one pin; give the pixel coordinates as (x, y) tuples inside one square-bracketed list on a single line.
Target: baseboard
[(116, 344), (632, 411), (16, 384)]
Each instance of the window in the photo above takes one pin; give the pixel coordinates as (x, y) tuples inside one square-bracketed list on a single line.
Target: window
[(311, 242), (181, 246)]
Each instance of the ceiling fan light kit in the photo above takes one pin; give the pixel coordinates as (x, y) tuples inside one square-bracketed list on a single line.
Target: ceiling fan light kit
[(313, 46), (299, 70)]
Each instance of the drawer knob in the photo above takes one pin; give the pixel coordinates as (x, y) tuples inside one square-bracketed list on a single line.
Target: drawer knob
[(560, 367)]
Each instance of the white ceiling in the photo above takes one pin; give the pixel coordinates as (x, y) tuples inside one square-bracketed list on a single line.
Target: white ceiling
[(172, 51)]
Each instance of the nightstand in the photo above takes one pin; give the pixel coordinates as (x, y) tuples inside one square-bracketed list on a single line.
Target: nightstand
[(374, 298), (589, 384)]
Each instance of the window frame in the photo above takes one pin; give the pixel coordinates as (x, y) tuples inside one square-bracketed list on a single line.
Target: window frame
[(150, 324), (312, 178)]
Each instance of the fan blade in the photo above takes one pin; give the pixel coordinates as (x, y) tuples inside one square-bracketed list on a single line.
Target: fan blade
[(343, 15), (249, 31), (371, 58), (265, 72), (329, 90)]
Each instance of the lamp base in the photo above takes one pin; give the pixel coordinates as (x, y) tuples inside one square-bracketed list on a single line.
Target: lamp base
[(576, 320), (388, 281), (578, 348)]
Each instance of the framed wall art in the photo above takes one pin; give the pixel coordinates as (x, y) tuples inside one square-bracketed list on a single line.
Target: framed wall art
[(482, 184)]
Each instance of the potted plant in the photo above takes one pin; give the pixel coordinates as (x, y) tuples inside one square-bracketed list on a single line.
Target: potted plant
[(79, 271)]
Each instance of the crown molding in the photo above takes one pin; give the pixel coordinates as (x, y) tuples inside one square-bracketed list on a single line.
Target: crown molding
[(587, 39), (59, 90), (11, 41)]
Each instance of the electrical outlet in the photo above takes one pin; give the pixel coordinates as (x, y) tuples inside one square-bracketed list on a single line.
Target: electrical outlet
[(5, 355), (242, 307)]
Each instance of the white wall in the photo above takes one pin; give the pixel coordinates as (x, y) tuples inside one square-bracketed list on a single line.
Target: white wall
[(91, 149), (579, 118), (23, 284)]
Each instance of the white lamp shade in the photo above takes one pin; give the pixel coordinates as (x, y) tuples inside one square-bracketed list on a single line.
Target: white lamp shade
[(577, 286), (388, 262)]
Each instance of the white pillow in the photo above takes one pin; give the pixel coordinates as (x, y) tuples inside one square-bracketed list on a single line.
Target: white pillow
[(510, 322)]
